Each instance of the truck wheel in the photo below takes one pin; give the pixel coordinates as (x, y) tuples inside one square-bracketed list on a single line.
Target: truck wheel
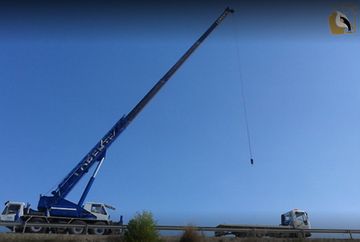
[(98, 231), (78, 230), (37, 229), (240, 235)]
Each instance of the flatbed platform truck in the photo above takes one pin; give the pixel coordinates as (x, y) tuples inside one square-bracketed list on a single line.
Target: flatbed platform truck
[(294, 219)]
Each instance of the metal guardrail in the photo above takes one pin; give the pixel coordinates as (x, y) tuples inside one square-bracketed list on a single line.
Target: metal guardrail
[(250, 230)]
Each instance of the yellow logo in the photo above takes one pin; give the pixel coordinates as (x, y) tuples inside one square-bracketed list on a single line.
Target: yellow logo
[(340, 24)]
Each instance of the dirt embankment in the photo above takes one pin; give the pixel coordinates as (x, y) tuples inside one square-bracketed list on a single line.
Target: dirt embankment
[(9, 237)]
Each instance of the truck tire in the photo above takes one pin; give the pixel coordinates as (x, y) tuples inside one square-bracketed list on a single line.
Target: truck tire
[(37, 229), (78, 230), (240, 235), (98, 231)]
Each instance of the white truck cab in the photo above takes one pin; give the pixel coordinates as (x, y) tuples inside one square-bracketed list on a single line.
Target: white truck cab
[(296, 218), (12, 211), (99, 210)]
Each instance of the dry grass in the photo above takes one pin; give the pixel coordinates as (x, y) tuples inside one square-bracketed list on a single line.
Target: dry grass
[(57, 238), (191, 235), (9, 237)]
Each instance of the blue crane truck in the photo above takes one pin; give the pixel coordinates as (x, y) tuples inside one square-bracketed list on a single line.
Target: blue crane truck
[(55, 208)]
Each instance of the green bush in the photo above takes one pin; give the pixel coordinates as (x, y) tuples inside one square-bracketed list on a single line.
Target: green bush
[(190, 235), (142, 229)]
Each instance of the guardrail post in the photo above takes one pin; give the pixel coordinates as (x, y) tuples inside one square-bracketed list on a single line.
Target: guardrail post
[(24, 228), (122, 231), (351, 237), (87, 229), (252, 233)]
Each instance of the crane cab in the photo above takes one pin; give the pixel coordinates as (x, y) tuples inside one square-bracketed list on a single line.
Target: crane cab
[(100, 210), (12, 211)]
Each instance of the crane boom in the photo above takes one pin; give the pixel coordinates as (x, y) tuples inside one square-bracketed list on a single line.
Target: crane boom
[(97, 153)]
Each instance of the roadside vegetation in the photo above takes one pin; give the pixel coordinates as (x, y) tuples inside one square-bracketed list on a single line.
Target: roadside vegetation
[(191, 235), (142, 229)]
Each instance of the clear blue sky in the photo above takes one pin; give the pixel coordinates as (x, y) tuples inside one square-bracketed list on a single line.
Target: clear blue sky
[(67, 74)]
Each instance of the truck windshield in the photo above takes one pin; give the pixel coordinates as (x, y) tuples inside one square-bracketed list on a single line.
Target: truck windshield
[(98, 208), (11, 209), (300, 216)]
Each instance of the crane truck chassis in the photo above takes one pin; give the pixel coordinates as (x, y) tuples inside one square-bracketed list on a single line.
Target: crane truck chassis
[(56, 208), (21, 212), (294, 219)]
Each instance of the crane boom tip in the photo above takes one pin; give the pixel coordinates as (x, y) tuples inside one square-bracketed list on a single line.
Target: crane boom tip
[(230, 10)]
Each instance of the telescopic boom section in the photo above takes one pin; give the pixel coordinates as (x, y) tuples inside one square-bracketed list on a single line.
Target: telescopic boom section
[(97, 153), (137, 109)]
